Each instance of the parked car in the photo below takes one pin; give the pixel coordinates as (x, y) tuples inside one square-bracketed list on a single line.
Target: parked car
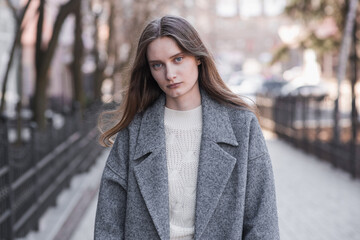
[(235, 78), (249, 86), (272, 88), (304, 90)]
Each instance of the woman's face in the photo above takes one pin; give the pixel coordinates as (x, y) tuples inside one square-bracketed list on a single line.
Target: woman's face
[(175, 72)]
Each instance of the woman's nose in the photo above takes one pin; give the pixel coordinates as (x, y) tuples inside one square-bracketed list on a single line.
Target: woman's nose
[(170, 73)]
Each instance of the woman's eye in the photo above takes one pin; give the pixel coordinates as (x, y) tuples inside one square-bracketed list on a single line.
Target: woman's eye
[(178, 59), (156, 65)]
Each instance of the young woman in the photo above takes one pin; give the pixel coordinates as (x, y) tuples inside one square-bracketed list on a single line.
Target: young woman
[(189, 159)]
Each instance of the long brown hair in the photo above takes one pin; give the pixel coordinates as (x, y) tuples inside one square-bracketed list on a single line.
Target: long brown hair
[(143, 89)]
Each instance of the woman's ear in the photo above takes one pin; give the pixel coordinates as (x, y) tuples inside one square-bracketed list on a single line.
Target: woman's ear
[(198, 61)]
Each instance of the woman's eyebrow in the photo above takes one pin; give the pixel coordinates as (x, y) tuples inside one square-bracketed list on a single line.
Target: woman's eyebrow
[(176, 54), (150, 61)]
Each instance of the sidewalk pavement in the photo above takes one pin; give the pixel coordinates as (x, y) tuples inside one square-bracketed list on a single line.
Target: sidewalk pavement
[(315, 200), (74, 214)]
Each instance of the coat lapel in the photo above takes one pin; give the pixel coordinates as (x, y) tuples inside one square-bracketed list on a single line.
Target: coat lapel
[(151, 172), (215, 165)]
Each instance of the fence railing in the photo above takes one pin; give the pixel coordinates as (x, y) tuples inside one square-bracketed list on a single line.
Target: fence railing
[(307, 122), (36, 169)]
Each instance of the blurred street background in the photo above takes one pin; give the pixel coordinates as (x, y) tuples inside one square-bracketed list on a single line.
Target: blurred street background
[(63, 62)]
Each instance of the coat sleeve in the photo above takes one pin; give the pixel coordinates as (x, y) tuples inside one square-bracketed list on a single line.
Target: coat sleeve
[(260, 216), (111, 207)]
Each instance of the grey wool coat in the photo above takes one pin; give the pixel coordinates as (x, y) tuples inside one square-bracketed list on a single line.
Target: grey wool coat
[(235, 194)]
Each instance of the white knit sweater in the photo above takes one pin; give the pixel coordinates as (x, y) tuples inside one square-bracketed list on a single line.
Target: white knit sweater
[(183, 136)]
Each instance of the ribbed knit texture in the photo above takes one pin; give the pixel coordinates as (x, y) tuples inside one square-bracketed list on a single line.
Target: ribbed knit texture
[(183, 137)]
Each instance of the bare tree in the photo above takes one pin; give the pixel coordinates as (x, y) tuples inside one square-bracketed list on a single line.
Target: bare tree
[(44, 56), (78, 49), (343, 59), (19, 20)]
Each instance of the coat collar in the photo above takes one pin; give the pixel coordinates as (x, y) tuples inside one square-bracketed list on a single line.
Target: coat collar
[(215, 165)]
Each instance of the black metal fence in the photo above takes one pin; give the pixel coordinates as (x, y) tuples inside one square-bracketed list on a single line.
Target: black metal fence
[(35, 171), (307, 122)]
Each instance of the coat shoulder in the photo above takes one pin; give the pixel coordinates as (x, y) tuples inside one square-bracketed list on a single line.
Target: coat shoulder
[(241, 116), (124, 135), (247, 129), (121, 149)]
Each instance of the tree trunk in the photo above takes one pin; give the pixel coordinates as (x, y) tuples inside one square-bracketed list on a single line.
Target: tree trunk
[(112, 41), (354, 112), (20, 103), (99, 65), (78, 53), (343, 59), (6, 75), (112, 48), (40, 88), (42, 71), (39, 32), (12, 52)]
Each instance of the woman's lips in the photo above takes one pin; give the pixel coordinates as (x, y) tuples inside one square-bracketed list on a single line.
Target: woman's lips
[(174, 85)]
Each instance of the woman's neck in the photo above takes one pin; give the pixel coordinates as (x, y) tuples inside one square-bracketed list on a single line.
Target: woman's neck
[(183, 104)]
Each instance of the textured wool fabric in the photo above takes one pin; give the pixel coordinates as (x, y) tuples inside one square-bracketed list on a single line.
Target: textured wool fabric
[(235, 192), (183, 137)]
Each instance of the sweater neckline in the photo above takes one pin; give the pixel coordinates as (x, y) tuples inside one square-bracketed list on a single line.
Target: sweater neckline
[(189, 119)]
